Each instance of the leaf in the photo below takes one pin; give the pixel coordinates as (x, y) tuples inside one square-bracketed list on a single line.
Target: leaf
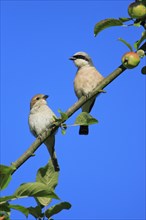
[(63, 131), (49, 177), (57, 208), (85, 119), (63, 128), (34, 189), (126, 43), (64, 116), (106, 23), (6, 169), (5, 207), (125, 19), (35, 211), (137, 23), (21, 209), (138, 43), (4, 181), (4, 211), (58, 120), (5, 175)]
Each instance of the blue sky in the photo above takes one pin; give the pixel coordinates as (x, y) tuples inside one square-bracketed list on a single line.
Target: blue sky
[(103, 174)]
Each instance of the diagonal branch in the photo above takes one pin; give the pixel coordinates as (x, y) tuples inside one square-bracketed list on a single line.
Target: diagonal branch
[(29, 153)]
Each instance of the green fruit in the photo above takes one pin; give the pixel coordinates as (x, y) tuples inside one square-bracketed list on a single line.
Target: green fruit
[(137, 10), (130, 60), (141, 53)]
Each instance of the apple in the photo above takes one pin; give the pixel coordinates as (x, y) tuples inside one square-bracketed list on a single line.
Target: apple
[(137, 10), (130, 60)]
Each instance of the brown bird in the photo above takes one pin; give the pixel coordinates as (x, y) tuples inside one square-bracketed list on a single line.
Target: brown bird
[(40, 118), (86, 80)]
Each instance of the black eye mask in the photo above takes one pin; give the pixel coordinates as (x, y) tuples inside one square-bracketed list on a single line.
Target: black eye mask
[(80, 57)]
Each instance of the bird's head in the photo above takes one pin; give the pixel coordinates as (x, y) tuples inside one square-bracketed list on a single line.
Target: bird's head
[(38, 100), (81, 59)]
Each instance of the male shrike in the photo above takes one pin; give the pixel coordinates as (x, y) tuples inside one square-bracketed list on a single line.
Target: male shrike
[(86, 80), (40, 118)]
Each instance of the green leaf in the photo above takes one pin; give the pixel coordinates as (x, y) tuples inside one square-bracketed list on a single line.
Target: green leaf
[(64, 116), (6, 169), (125, 19), (85, 119), (106, 23), (49, 177), (4, 181), (63, 131), (34, 189), (5, 207), (126, 43), (137, 23), (35, 211), (138, 43), (57, 208), (21, 209), (5, 175), (58, 120), (63, 128), (142, 1), (5, 211)]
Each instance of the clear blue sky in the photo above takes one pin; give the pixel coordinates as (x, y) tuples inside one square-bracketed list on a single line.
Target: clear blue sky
[(102, 174)]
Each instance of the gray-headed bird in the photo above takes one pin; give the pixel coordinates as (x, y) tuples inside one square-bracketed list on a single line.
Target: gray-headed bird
[(40, 118), (86, 79)]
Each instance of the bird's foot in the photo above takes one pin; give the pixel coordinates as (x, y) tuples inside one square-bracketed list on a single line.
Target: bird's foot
[(102, 91), (87, 95), (41, 136)]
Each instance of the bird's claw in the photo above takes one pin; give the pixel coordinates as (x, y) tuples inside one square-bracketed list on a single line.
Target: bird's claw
[(40, 137), (87, 95), (102, 91)]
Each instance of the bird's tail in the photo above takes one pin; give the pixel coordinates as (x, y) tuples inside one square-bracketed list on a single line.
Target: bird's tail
[(84, 130), (50, 143), (55, 162)]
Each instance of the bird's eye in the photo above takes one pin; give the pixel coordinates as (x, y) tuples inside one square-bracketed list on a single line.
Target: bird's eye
[(37, 98)]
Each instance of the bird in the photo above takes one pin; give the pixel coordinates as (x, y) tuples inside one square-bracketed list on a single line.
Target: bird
[(86, 80), (41, 118)]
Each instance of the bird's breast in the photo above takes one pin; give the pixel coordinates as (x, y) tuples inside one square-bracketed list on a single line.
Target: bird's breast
[(87, 78), (40, 120)]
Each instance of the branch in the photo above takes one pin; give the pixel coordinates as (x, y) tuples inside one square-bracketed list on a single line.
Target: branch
[(30, 152)]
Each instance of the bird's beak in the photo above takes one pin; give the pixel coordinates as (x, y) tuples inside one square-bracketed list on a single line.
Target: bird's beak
[(72, 58), (45, 97)]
